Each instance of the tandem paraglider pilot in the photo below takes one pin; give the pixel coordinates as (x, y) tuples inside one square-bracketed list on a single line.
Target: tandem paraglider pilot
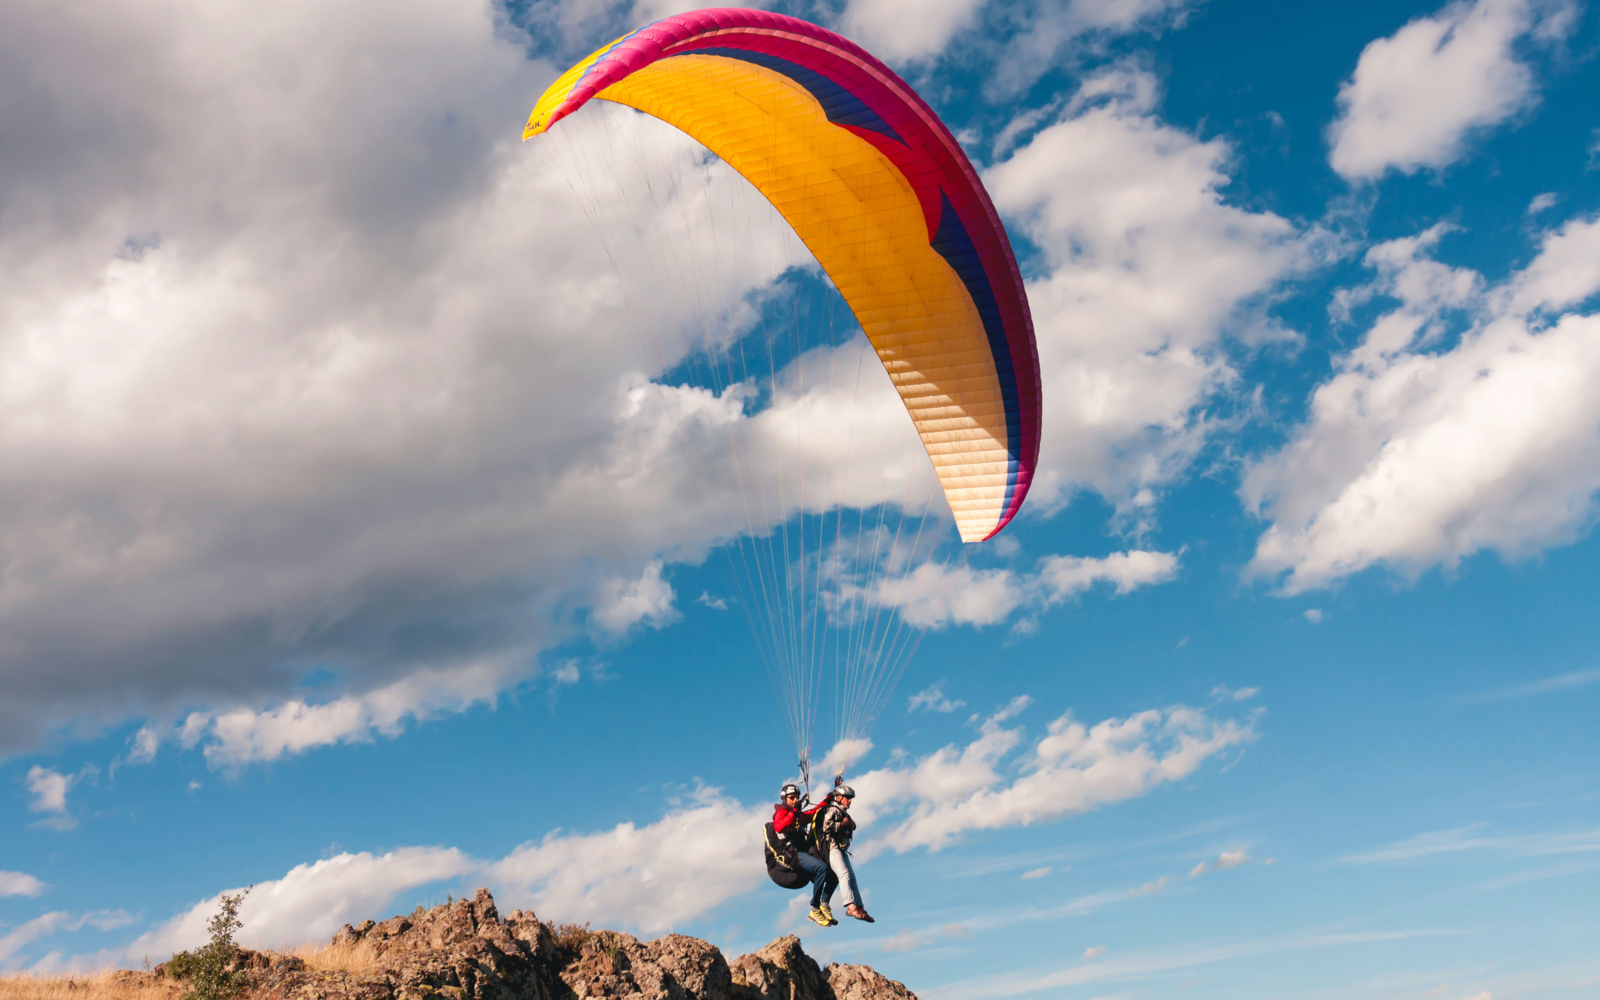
[(835, 829), (790, 861), (812, 847)]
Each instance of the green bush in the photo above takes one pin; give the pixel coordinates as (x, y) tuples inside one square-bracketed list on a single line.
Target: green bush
[(212, 969)]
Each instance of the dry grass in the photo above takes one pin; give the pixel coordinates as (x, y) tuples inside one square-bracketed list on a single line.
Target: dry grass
[(571, 938), (355, 958), (83, 986)]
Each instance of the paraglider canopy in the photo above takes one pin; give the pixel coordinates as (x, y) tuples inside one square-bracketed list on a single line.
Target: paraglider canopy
[(882, 194)]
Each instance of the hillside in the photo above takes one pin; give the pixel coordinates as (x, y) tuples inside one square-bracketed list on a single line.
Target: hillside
[(465, 951)]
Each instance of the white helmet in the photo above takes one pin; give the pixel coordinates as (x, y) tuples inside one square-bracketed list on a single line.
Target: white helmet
[(845, 792), (789, 788)]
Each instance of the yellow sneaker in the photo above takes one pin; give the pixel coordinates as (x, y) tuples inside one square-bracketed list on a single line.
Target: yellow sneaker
[(828, 913), (819, 918)]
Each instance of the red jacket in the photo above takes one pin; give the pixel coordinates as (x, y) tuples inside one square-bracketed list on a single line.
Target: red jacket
[(783, 816)]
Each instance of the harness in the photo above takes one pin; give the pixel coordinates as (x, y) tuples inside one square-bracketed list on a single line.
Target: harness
[(779, 855), (816, 821)]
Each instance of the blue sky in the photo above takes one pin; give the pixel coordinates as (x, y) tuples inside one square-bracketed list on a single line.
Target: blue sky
[(341, 561)]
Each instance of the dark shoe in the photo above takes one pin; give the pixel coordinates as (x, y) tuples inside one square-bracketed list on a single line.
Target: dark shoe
[(860, 914)]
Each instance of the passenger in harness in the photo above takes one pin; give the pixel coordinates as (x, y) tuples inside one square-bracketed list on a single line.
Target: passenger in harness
[(832, 830), (790, 857)]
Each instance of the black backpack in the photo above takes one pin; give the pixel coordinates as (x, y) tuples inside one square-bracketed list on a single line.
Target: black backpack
[(783, 864)]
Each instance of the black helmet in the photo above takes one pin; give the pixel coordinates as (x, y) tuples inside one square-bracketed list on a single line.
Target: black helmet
[(789, 788), (845, 792)]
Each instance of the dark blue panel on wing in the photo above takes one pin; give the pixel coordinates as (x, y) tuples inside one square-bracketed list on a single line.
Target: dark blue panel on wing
[(955, 246), (840, 105)]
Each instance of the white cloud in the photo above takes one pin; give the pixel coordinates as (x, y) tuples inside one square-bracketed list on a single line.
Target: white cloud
[(144, 745), (1223, 861), (20, 884), (50, 923), (1072, 769), (1468, 839), (623, 604), (1242, 694), (841, 755), (714, 603), (1541, 202), (1037, 872), (884, 28), (1093, 952), (660, 875), (1153, 886), (1413, 457), (1545, 685), (652, 877), (245, 736), (311, 901), (1046, 29), (932, 699), (906, 940), (1147, 270), (1314, 615), (388, 413), (49, 790), (1417, 95), (934, 595), (1064, 576), (898, 33)]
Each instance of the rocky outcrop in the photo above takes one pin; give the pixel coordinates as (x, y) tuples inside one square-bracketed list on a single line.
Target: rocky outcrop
[(783, 971), (860, 982), (465, 951)]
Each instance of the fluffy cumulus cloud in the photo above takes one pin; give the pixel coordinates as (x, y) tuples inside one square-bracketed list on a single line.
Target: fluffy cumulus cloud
[(1047, 28), (654, 876), (934, 595), (1072, 768), (932, 699), (1147, 269), (49, 789), (20, 884), (312, 901), (625, 603), (306, 362), (885, 28), (1418, 95), (1416, 454)]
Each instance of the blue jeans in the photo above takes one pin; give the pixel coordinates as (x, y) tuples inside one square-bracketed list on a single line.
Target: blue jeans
[(823, 881), (839, 861)]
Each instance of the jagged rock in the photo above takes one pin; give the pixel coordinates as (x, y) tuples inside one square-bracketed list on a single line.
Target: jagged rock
[(782, 971), (674, 967), (860, 982), (465, 951)]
